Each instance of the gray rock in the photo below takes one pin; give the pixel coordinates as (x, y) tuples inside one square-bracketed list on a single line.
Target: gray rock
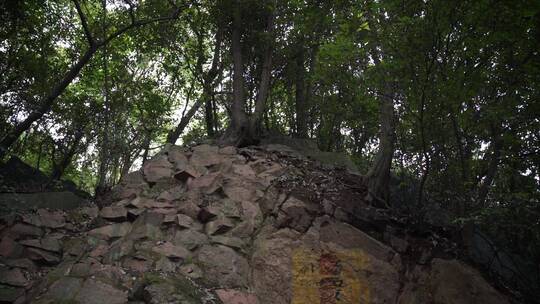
[(10, 294), (222, 266), (157, 169), (48, 244), (111, 231), (184, 221), (66, 288), (190, 239), (13, 277), (219, 226), (43, 256), (24, 230), (114, 213), (175, 252), (229, 241), (96, 292)]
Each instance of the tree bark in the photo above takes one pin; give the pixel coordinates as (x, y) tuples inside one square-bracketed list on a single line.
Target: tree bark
[(493, 165), (206, 98), (245, 130), (300, 94), (60, 168), (266, 75), (239, 117), (209, 117), (175, 133), (379, 173)]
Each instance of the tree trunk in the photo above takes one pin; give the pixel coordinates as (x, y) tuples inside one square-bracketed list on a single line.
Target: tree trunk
[(105, 149), (173, 135), (309, 89), (300, 88), (379, 173), (485, 185), (209, 118), (244, 130), (266, 75), (59, 169), (238, 133), (206, 98)]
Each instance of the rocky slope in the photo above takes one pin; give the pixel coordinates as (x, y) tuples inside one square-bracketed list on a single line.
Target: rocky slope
[(221, 225)]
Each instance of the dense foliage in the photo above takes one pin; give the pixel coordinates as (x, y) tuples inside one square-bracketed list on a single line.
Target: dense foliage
[(461, 81)]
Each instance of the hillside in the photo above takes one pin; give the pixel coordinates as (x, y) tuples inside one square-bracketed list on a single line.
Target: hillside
[(234, 226)]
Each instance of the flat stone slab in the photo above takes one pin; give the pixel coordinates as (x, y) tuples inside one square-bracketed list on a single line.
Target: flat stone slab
[(52, 200)]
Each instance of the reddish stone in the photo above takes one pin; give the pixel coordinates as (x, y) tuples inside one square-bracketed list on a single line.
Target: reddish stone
[(208, 183), (111, 231), (157, 169), (138, 265), (49, 244), (113, 213), (186, 174), (189, 208), (99, 251), (219, 226), (10, 248), (171, 251), (21, 229), (231, 296), (43, 256), (206, 214), (229, 150), (51, 219), (184, 221), (164, 211), (329, 264)]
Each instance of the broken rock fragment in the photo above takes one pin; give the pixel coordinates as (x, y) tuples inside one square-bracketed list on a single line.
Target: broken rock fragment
[(205, 155), (114, 213), (21, 230), (184, 221), (207, 214), (97, 292), (190, 239), (157, 169), (13, 277), (231, 296), (48, 244), (111, 231), (219, 226), (9, 248), (172, 251), (222, 265), (51, 219)]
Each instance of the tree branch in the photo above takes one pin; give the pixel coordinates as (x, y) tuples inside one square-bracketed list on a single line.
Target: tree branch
[(139, 23), (84, 23)]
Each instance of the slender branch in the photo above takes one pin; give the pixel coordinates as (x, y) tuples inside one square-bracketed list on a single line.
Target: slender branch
[(131, 13), (84, 23), (139, 23)]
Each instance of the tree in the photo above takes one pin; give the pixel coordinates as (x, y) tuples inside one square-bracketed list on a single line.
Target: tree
[(245, 127), (58, 88), (207, 81)]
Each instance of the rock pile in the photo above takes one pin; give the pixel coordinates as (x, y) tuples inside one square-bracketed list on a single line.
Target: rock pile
[(233, 226)]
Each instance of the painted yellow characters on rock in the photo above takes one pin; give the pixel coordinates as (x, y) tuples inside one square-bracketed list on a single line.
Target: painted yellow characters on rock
[(329, 277)]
